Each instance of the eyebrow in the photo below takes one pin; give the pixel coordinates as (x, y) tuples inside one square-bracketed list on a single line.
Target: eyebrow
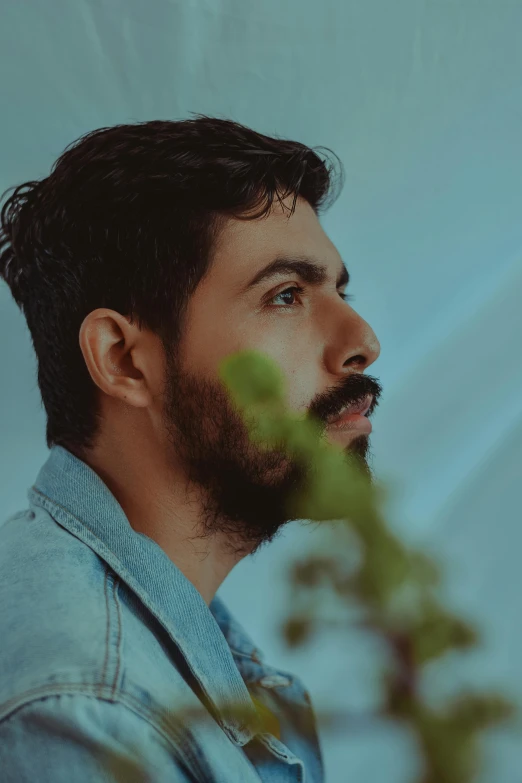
[(308, 269)]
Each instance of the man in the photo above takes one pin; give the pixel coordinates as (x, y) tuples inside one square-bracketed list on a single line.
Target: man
[(148, 255)]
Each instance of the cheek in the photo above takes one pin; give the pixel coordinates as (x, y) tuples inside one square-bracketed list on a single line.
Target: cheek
[(214, 334), (206, 342), (301, 377), (302, 389), (299, 363)]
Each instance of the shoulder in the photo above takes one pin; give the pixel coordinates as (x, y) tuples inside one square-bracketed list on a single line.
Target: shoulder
[(54, 609), (84, 738), (69, 625)]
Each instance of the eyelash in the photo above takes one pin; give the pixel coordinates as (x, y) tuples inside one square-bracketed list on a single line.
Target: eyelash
[(300, 290)]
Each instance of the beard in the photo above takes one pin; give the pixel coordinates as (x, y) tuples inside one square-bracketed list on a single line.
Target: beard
[(243, 491)]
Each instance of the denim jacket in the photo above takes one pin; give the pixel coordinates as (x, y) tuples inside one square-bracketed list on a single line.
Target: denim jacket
[(103, 639)]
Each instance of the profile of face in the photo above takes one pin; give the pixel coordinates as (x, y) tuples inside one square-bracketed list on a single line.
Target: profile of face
[(320, 343)]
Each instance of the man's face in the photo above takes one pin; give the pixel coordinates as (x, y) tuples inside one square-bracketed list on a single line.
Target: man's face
[(321, 345)]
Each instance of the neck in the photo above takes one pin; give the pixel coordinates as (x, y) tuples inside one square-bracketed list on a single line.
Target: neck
[(158, 506)]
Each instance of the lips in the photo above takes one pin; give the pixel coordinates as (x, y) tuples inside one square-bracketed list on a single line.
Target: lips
[(362, 407)]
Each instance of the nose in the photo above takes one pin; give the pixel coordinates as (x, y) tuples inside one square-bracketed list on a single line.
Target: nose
[(363, 346)]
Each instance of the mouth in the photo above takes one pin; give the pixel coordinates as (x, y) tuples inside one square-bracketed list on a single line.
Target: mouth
[(360, 408)]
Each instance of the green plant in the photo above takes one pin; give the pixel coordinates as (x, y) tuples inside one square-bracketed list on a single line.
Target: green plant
[(391, 586)]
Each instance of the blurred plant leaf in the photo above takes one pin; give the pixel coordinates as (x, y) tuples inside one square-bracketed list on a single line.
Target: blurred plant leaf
[(390, 583)]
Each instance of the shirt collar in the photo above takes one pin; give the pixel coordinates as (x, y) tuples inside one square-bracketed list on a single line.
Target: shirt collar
[(82, 503)]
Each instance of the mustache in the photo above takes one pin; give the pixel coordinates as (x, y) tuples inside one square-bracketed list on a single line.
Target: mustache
[(355, 389)]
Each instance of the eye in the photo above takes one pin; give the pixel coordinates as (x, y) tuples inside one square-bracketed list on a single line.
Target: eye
[(287, 292), (299, 290)]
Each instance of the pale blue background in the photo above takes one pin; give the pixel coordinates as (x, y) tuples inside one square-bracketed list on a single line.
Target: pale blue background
[(422, 100)]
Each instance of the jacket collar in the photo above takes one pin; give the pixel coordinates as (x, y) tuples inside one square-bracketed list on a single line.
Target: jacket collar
[(82, 503)]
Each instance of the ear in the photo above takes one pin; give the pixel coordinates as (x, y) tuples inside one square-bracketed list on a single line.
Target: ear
[(113, 351)]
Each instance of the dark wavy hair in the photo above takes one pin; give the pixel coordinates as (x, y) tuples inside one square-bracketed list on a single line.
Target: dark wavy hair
[(127, 219)]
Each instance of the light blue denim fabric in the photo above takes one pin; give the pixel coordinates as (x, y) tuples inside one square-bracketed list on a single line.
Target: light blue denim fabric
[(103, 638)]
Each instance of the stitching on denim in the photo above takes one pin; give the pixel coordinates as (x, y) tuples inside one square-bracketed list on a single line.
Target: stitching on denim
[(116, 582), (106, 660), (52, 506), (55, 510), (127, 700)]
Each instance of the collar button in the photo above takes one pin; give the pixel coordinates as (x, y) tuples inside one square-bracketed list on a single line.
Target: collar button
[(274, 681)]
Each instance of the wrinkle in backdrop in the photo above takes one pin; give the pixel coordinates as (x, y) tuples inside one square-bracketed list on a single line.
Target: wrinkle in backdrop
[(423, 103)]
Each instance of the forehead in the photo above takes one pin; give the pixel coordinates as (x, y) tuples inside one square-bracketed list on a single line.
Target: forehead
[(244, 246)]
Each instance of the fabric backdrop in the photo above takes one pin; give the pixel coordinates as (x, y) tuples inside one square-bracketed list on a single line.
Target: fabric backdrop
[(422, 100)]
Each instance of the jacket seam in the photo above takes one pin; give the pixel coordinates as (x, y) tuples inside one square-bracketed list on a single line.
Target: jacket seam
[(116, 583), (129, 702), (107, 635)]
